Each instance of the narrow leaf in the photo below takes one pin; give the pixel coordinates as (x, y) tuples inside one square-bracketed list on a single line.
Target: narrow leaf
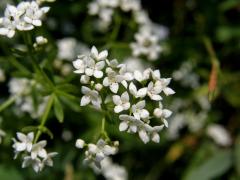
[(58, 110)]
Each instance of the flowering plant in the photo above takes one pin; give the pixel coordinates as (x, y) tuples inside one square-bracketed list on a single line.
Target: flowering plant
[(83, 95)]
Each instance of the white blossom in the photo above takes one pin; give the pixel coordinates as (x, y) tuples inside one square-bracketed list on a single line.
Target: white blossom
[(138, 110), (80, 143), (219, 134), (38, 150), (48, 159), (129, 123), (162, 113), (25, 142), (35, 163), (112, 171), (34, 154), (130, 5), (40, 40), (98, 56), (94, 69), (137, 93), (153, 91), (90, 96), (112, 81), (96, 153), (121, 102), (163, 83), (146, 44), (22, 17)]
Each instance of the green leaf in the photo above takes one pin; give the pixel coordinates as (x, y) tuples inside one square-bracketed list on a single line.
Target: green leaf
[(68, 88), (213, 167), (29, 128), (58, 110)]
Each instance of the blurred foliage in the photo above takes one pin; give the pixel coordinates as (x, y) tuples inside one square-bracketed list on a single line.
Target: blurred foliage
[(192, 156)]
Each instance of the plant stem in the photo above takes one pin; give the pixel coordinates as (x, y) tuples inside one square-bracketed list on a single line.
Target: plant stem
[(7, 103), (44, 117), (213, 78), (28, 42), (103, 125)]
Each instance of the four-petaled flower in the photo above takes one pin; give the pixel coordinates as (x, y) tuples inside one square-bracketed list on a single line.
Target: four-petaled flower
[(90, 96), (122, 103)]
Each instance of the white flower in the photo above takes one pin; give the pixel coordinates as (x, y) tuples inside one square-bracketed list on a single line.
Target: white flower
[(112, 80), (130, 5), (80, 64), (142, 76), (40, 40), (34, 14), (98, 56), (24, 143), (66, 48), (219, 134), (147, 133), (97, 152), (48, 159), (138, 110), (38, 150), (36, 163), (137, 93), (8, 21), (94, 69), (90, 96), (98, 86), (80, 143), (112, 171), (129, 123), (84, 79), (163, 83), (122, 103), (132, 64), (19, 86), (2, 134), (146, 44), (163, 114), (141, 17), (23, 17), (153, 91)]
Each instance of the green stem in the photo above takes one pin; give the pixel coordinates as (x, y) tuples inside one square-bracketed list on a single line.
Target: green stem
[(213, 78), (103, 125), (28, 41), (211, 51), (44, 117), (7, 103), (19, 66)]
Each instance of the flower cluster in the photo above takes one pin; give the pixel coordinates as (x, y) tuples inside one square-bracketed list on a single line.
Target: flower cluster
[(104, 9), (34, 154), (96, 153), (147, 44), (23, 17), (22, 89), (106, 80), (148, 35)]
